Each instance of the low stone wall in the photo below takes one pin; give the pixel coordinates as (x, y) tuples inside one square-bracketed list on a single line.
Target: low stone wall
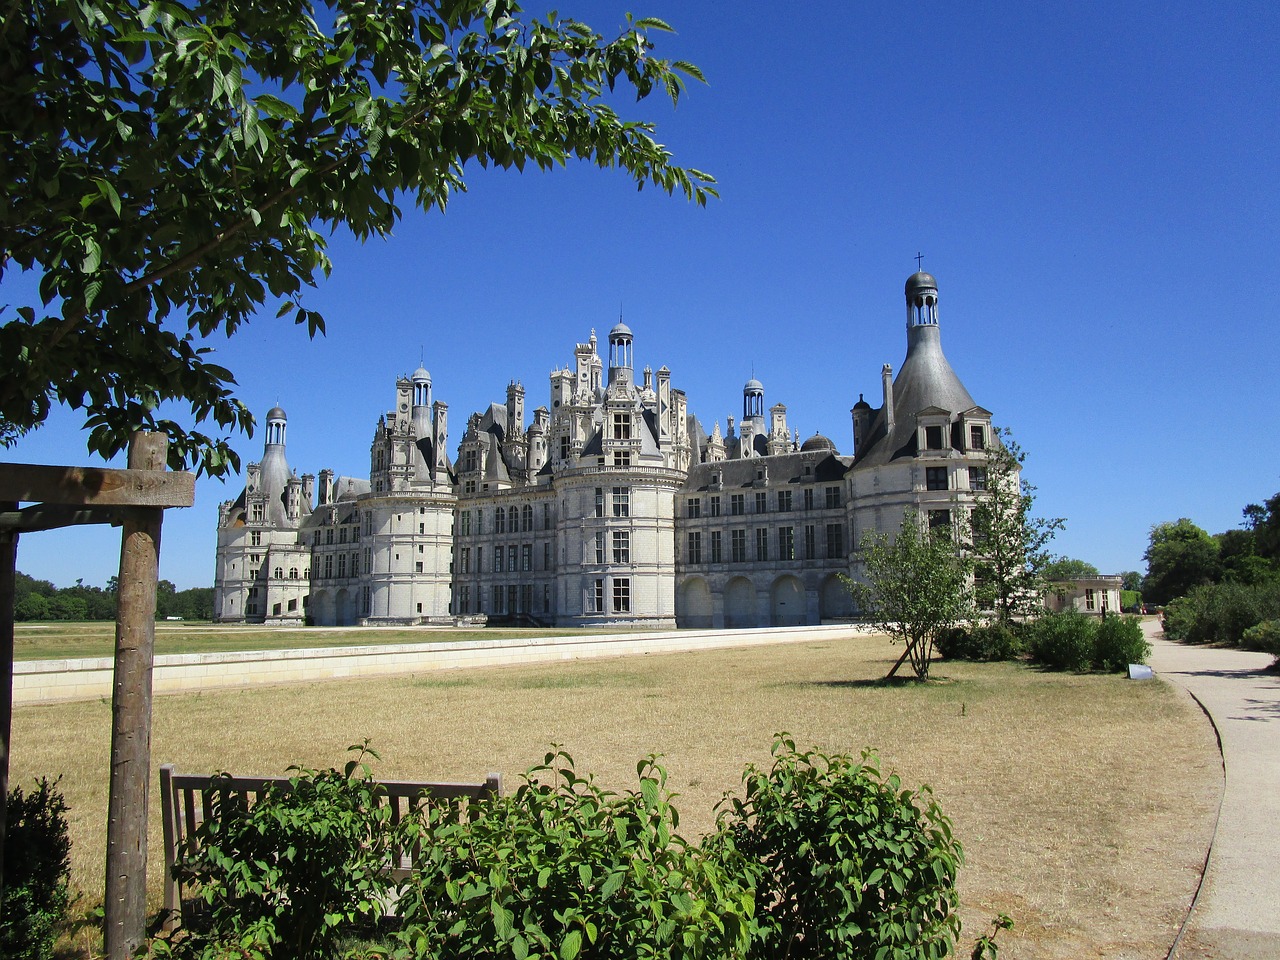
[(47, 681)]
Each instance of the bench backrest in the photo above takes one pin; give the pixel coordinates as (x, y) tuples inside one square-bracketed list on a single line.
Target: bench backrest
[(186, 799)]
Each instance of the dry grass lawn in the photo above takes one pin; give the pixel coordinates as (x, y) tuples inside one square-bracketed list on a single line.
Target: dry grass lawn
[(1085, 803)]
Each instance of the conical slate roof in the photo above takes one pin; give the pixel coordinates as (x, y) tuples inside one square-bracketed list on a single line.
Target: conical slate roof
[(925, 380)]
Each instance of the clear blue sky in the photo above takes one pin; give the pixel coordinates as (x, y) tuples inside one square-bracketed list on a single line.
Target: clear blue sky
[(1094, 187)]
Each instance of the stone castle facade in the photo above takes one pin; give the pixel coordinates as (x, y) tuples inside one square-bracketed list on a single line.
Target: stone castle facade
[(612, 505)]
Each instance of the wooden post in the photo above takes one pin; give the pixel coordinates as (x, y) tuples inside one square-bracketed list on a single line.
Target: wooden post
[(8, 568), (125, 909)]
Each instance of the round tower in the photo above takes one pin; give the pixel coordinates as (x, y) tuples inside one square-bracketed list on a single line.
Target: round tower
[(421, 403)]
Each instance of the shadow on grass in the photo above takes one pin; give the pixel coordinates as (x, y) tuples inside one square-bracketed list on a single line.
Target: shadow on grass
[(872, 683)]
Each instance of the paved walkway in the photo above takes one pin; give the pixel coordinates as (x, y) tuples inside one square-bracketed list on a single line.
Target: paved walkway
[(1237, 915)]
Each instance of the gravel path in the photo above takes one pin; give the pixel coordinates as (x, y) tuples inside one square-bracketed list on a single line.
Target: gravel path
[(1237, 914)]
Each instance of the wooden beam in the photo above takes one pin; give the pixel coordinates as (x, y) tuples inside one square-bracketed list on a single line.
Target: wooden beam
[(8, 569), (125, 906), (47, 516), (38, 483)]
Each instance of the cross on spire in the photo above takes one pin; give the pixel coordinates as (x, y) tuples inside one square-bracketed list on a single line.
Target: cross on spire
[(919, 257)]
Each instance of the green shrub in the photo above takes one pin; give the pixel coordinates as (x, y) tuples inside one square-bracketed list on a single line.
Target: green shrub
[(1064, 641), (1118, 643), (37, 863), (854, 865), (1221, 612), (984, 643), (563, 868), (1264, 637), (292, 873)]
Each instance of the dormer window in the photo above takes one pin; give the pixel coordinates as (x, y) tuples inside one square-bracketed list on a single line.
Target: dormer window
[(977, 436), (622, 426), (934, 438)]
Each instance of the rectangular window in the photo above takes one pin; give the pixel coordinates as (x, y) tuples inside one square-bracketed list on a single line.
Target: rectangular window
[(464, 600), (342, 535), (762, 502), (939, 519), (737, 504), (622, 426), (810, 542), (546, 556), (255, 538), (546, 516), (833, 497), (808, 498), (498, 596), (595, 596), (466, 559), (368, 559), (422, 528), (500, 520), (622, 458), (599, 501), (695, 547), (293, 605), (977, 436), (1088, 599), (621, 502), (784, 501), (621, 546), (935, 478), (499, 555), (714, 503), (738, 546), (417, 567), (468, 486), (564, 448), (600, 547), (933, 438), (513, 593), (717, 554), (694, 508), (621, 595), (526, 556), (257, 513), (835, 541), (977, 478), (786, 543), (762, 543), (328, 566)]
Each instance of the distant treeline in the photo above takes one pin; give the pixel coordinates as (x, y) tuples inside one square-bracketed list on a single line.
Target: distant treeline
[(40, 600)]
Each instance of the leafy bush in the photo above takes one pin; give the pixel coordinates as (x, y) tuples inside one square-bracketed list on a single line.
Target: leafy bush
[(1119, 642), (1264, 637), (1221, 612), (986, 643), (292, 873), (1064, 641), (37, 863), (563, 868), (854, 865)]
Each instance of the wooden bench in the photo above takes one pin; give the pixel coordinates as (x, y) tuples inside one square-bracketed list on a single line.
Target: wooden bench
[(186, 798)]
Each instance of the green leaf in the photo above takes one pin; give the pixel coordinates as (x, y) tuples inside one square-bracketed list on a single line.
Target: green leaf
[(571, 945)]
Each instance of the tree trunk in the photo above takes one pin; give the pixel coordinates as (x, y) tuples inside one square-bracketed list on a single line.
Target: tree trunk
[(125, 908)]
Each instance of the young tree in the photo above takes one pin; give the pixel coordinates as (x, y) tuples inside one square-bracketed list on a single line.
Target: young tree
[(168, 168), (1008, 545), (914, 586)]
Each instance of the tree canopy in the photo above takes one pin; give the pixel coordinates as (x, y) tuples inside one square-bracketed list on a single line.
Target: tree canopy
[(1069, 568), (170, 168), (1180, 555)]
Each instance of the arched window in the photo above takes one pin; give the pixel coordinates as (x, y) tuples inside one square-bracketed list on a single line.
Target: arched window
[(500, 521), (293, 573), (279, 573), (527, 517)]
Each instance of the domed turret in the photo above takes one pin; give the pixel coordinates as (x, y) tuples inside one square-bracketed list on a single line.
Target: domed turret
[(922, 299), (620, 358), (818, 443)]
